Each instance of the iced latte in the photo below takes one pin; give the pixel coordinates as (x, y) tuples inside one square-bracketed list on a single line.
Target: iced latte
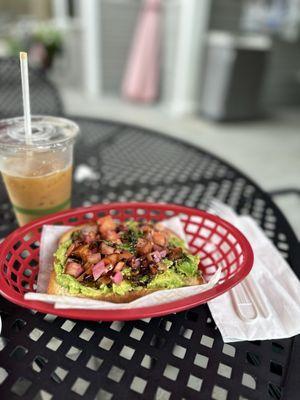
[(38, 177)]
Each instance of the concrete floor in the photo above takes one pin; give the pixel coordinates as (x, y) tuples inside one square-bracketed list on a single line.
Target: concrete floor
[(267, 151)]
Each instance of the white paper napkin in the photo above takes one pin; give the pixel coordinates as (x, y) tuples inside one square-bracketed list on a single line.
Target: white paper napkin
[(49, 240), (276, 285)]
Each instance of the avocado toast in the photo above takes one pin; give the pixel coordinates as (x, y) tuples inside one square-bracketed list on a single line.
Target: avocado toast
[(120, 262)]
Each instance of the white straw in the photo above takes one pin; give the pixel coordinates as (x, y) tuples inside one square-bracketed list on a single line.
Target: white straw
[(26, 97)]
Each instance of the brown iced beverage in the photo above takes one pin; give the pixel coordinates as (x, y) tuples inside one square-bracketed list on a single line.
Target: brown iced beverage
[(39, 179), (35, 196)]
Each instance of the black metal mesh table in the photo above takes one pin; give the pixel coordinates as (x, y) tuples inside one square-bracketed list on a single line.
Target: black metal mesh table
[(44, 97), (181, 356)]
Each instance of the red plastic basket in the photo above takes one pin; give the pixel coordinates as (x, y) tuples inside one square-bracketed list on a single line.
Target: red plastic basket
[(218, 243)]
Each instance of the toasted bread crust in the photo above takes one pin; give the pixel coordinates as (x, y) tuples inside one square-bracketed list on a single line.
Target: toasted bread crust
[(55, 288)]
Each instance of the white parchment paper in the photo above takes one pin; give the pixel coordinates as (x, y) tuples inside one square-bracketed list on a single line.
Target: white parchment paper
[(49, 240)]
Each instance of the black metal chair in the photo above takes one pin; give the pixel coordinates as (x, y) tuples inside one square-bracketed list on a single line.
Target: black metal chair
[(44, 97)]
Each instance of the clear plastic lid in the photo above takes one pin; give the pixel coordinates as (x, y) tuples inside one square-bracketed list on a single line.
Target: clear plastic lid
[(47, 133)]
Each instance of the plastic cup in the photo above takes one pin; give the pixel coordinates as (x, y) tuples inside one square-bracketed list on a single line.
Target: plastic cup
[(37, 175)]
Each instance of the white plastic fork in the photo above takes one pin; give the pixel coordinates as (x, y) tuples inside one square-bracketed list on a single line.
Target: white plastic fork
[(243, 303), (246, 300)]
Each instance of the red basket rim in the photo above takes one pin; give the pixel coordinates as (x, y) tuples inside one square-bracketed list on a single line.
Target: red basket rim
[(137, 313)]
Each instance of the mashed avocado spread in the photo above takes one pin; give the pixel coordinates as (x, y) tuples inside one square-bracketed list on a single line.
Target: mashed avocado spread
[(70, 283), (176, 274)]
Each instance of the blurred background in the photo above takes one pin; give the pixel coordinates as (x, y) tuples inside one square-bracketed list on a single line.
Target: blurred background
[(222, 74)]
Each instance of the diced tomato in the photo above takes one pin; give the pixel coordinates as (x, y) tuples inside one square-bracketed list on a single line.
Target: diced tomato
[(89, 228), (106, 249), (82, 251), (112, 258), (146, 228), (106, 224), (112, 236), (119, 266), (159, 238), (125, 255), (94, 258), (143, 246)]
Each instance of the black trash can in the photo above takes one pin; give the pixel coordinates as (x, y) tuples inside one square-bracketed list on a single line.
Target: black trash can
[(233, 76)]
